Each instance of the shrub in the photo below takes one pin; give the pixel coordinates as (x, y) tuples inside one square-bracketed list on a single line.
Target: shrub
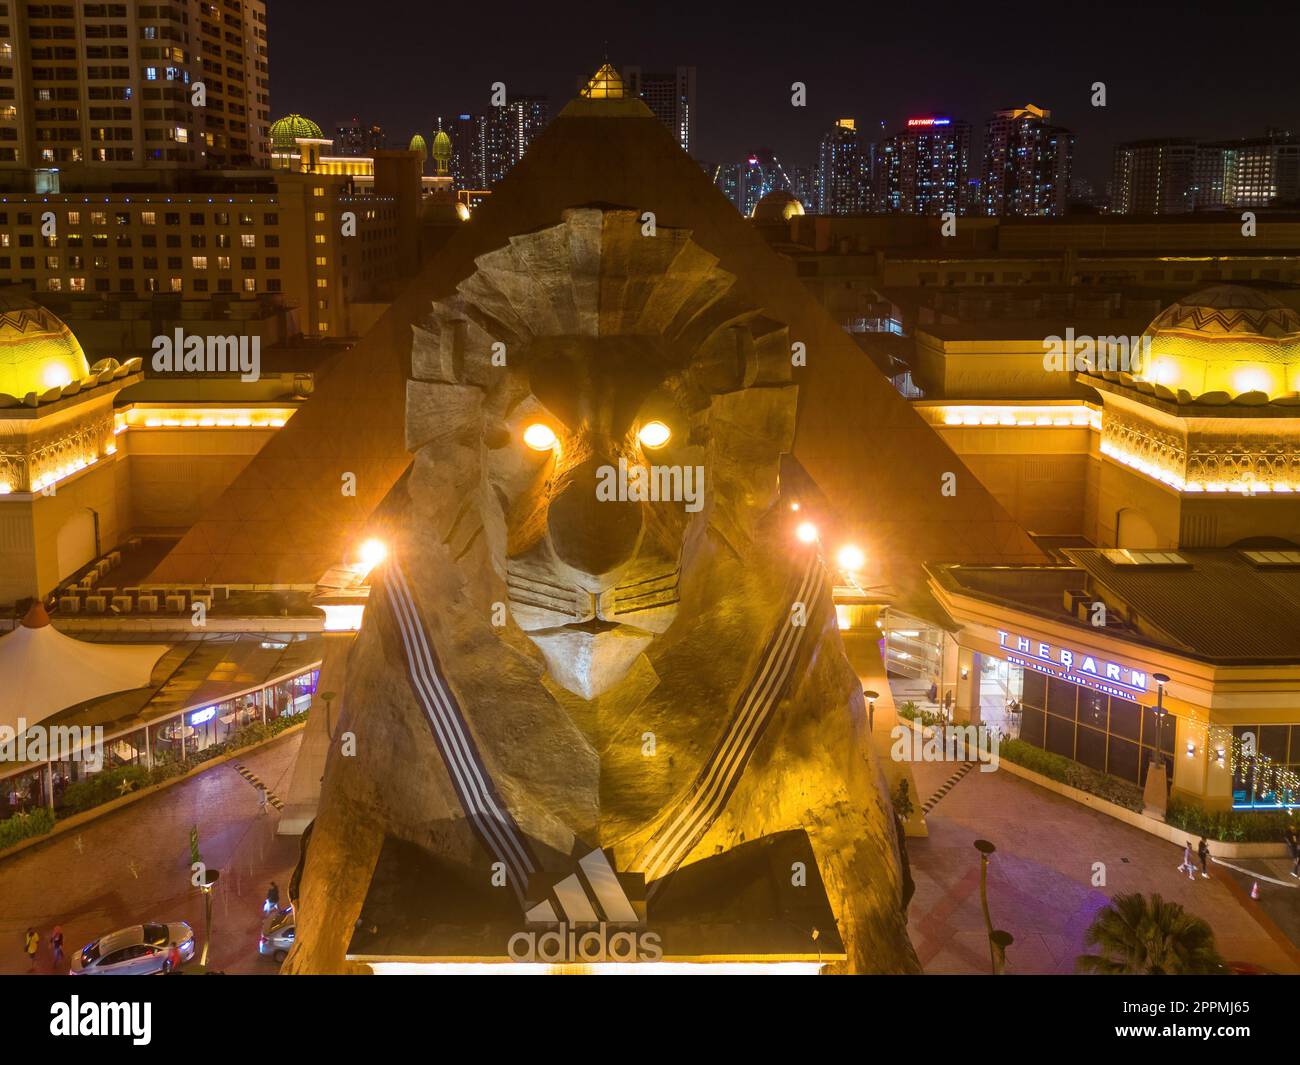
[(1065, 771), (1231, 826), (21, 826), (102, 787)]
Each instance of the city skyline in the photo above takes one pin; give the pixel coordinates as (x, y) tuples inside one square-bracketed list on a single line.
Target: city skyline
[(744, 73)]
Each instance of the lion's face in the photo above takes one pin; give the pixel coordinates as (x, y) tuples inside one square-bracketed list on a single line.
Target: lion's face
[(605, 453)]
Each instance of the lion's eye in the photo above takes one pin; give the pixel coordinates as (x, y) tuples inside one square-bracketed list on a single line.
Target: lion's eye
[(654, 434), (539, 437)]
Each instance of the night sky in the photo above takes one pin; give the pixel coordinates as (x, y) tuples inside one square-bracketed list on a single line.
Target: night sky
[(1169, 69)]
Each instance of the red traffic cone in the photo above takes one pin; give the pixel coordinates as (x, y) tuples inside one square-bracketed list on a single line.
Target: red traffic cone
[(1254, 889)]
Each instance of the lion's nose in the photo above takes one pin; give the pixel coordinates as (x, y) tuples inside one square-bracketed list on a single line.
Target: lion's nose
[(590, 532)]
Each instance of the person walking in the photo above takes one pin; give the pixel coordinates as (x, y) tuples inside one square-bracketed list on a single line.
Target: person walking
[(173, 963), (1186, 865), (273, 898), (1203, 852), (32, 945), (56, 945)]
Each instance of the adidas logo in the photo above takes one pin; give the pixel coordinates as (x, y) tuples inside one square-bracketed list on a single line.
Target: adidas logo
[(594, 895)]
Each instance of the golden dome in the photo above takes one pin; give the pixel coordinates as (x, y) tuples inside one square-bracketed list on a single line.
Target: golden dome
[(37, 350), (1227, 339), (779, 205)]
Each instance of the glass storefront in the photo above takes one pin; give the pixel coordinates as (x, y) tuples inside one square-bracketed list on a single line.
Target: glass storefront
[(1270, 777), (176, 738), (1105, 732)]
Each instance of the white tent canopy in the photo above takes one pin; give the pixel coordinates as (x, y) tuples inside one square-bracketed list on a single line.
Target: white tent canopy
[(43, 671)]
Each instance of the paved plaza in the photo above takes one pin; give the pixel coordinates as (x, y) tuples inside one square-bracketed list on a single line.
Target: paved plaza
[(133, 866), (1040, 880)]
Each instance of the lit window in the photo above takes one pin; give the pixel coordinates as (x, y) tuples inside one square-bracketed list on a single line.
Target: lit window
[(322, 282), (320, 238), (176, 284), (248, 240), (199, 262), (148, 218)]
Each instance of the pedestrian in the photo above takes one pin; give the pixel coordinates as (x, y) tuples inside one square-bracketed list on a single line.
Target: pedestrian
[(33, 944), (56, 945), (1295, 869), (933, 693), (173, 962), (1203, 852), (1292, 842), (1187, 866), (273, 897), (261, 797)]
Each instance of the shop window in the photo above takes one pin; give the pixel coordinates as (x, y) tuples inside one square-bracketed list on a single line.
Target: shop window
[(1122, 758), (1061, 697), (1090, 748), (1060, 736), (1035, 690), (1125, 719)]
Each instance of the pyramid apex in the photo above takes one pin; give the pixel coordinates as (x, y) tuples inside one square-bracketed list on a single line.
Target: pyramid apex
[(605, 84)]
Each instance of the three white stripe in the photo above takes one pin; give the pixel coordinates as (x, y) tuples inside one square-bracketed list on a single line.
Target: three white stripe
[(468, 776), (729, 762)]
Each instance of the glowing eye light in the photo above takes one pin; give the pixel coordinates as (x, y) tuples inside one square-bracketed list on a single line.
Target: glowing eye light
[(539, 437), (654, 434), (373, 552), (807, 532), (851, 559)]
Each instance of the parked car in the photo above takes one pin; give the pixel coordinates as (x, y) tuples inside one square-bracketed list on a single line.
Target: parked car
[(137, 951), (277, 935)]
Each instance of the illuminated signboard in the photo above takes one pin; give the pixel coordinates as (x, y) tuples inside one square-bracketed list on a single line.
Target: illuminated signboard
[(929, 121), (199, 717), (1077, 666)]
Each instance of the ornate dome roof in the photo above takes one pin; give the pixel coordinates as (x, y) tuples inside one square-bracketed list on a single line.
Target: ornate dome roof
[(1226, 339), (37, 350), (779, 205), (441, 145), (418, 145), (285, 131)]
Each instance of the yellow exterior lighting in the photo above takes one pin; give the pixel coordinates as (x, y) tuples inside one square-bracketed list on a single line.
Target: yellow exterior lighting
[(540, 437), (654, 435)]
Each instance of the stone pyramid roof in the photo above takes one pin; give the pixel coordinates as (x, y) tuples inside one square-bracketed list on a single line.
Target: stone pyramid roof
[(286, 520)]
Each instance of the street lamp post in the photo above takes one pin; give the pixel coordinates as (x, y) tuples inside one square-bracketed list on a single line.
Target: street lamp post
[(986, 850), (1155, 793), (210, 877)]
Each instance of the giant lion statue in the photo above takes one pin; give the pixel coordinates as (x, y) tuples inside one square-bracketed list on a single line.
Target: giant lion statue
[(600, 680)]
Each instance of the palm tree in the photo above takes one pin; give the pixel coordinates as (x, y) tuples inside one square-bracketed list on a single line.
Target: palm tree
[(1137, 935)]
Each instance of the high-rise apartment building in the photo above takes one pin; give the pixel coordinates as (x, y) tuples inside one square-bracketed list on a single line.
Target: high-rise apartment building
[(923, 169), (747, 182), (352, 137), (182, 84), (843, 171), (670, 96), (1153, 177), (1252, 172), (1027, 164), (484, 147)]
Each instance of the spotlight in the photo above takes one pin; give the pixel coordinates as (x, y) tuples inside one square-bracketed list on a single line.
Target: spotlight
[(807, 532), (539, 437), (851, 559), (654, 434), (373, 552)]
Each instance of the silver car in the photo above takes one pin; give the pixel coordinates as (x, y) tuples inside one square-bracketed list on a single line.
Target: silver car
[(276, 939), (137, 951)]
